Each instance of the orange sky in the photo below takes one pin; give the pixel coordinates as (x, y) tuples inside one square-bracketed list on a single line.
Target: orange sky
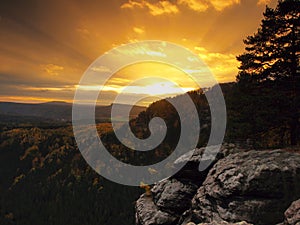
[(45, 46)]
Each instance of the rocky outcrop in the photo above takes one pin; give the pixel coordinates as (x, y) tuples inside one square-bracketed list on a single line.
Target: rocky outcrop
[(252, 186), (147, 213), (255, 186), (173, 196), (196, 172), (292, 214), (170, 198)]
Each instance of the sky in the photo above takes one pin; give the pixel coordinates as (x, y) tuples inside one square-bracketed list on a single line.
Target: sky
[(46, 46)]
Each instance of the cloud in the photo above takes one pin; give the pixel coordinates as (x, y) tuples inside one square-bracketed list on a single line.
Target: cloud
[(219, 5), (52, 69), (223, 66), (166, 7), (162, 7), (155, 9), (138, 30), (36, 93), (132, 4), (48, 89), (263, 2), (196, 5)]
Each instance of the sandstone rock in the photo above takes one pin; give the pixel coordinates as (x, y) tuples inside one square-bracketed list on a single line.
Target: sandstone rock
[(148, 214), (170, 198), (191, 160), (292, 214), (254, 186), (173, 196), (199, 161), (243, 185)]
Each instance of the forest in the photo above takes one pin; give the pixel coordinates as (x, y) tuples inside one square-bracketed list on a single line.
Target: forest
[(45, 180)]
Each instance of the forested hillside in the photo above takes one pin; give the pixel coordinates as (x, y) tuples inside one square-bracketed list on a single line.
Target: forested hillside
[(55, 111), (43, 178)]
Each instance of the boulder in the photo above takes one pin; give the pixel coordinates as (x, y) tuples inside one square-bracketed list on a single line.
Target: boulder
[(148, 214), (238, 185), (253, 186), (170, 198), (173, 196), (199, 161)]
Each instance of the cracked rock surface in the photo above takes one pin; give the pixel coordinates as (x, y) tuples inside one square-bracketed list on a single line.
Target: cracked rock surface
[(252, 186), (255, 186)]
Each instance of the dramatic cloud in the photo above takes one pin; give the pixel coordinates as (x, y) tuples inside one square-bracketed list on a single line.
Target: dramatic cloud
[(162, 7), (132, 4), (222, 65), (222, 4), (196, 5), (166, 7), (44, 54), (155, 9)]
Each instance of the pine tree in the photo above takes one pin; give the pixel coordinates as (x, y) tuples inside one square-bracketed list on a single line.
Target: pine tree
[(271, 59)]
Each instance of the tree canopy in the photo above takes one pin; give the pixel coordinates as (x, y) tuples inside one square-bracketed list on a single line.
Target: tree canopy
[(270, 63)]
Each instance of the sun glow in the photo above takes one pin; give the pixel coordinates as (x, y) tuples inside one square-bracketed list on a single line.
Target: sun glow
[(145, 80), (45, 59), (175, 80), (161, 88)]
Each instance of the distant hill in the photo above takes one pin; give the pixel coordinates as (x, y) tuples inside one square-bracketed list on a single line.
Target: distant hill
[(58, 111)]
